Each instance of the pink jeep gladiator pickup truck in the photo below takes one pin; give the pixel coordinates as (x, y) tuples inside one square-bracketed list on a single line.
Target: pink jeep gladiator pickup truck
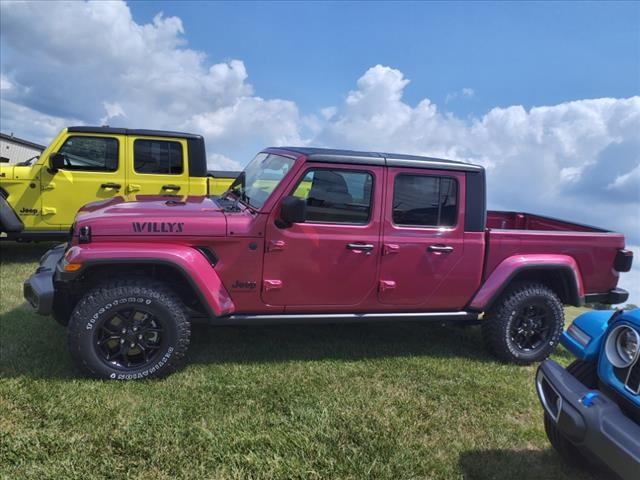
[(316, 235)]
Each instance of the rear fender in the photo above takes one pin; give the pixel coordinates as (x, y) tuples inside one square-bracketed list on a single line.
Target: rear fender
[(195, 267), (511, 267)]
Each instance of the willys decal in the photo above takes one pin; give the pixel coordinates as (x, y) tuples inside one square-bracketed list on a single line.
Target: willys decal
[(158, 227)]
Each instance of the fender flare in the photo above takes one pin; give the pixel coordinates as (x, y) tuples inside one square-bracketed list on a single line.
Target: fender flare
[(9, 220), (194, 266), (502, 276)]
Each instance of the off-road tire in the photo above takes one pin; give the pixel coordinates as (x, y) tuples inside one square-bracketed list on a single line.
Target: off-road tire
[(101, 303), (586, 373), (498, 321)]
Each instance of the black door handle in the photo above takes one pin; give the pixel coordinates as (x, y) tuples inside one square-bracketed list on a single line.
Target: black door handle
[(116, 186), (366, 247), (171, 187), (440, 248)]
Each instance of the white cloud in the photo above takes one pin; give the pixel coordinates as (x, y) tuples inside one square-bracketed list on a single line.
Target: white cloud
[(579, 160), (464, 93), (215, 161), (139, 75), (630, 281), (5, 84)]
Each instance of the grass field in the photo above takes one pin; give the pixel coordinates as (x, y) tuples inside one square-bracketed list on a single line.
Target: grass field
[(380, 401)]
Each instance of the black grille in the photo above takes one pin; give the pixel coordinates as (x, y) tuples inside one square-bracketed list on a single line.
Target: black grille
[(633, 380), (621, 373)]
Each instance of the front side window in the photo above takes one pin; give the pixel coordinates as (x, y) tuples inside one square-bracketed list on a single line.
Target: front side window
[(260, 177), (336, 196), (160, 157), (421, 200), (95, 154)]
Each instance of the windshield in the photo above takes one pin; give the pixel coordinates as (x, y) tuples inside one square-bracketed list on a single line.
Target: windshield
[(261, 177)]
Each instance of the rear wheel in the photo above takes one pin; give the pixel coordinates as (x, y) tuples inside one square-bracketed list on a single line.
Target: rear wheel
[(586, 373), (525, 324), (129, 330)]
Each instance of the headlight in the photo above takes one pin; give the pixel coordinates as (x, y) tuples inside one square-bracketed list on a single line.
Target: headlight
[(622, 346), (578, 335)]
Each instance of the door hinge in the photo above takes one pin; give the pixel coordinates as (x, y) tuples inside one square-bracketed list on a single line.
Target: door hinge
[(276, 245), (271, 285), (49, 186), (133, 187), (387, 285), (390, 248)]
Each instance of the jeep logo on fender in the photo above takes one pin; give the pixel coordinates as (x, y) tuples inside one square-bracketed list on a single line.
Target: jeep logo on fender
[(244, 284), (158, 227)]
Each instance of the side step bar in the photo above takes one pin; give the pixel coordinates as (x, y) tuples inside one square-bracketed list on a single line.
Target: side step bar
[(466, 317)]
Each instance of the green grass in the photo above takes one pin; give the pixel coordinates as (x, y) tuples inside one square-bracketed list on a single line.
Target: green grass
[(383, 401)]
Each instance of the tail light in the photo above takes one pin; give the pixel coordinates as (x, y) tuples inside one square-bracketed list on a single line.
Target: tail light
[(623, 261)]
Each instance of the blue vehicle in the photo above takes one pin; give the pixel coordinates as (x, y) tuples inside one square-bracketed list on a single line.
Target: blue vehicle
[(592, 408)]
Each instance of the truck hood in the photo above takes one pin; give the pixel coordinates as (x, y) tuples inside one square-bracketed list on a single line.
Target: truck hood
[(15, 172), (153, 215)]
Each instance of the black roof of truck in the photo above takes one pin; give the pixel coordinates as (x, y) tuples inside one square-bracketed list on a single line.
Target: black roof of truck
[(380, 158)]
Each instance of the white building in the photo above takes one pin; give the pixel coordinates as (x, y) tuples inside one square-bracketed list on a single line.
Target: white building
[(14, 149)]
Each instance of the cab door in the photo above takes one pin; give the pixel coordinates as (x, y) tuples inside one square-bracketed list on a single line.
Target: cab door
[(157, 166), (94, 170), (423, 240), (331, 258)]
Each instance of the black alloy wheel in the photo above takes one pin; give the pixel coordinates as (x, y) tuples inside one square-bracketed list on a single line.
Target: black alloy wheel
[(132, 337), (531, 328)]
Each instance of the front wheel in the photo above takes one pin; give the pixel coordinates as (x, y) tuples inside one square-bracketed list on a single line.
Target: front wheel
[(129, 330), (525, 324)]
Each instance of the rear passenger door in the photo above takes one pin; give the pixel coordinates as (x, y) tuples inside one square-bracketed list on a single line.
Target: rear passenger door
[(157, 166), (423, 237)]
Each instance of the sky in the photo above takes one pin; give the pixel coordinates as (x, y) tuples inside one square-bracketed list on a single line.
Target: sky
[(545, 95)]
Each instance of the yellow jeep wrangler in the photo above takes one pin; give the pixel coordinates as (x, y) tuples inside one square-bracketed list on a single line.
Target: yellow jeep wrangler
[(39, 198)]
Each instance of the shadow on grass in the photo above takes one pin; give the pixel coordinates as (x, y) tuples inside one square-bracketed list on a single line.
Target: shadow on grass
[(522, 465), (16, 252), (36, 347)]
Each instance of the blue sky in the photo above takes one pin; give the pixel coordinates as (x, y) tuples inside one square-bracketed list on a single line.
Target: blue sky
[(521, 53), (544, 95)]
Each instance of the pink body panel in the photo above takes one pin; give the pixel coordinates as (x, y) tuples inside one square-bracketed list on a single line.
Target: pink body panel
[(308, 269), (498, 278), (189, 260), (154, 215), (593, 252)]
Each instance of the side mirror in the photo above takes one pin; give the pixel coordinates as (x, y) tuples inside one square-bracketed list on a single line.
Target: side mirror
[(56, 161), (293, 210)]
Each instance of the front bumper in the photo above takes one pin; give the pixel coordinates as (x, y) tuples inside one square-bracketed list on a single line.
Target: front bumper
[(39, 289), (600, 428)]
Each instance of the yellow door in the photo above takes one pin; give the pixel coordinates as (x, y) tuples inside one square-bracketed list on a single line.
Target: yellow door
[(94, 170), (157, 166)]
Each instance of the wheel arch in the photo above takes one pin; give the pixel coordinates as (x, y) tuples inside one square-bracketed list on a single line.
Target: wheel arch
[(560, 274), (191, 276)]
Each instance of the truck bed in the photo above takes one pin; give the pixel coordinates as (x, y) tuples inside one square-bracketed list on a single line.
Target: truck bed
[(527, 221), (594, 249)]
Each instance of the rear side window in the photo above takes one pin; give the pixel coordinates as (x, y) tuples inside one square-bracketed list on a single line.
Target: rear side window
[(336, 196), (421, 200), (157, 156), (95, 154)]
